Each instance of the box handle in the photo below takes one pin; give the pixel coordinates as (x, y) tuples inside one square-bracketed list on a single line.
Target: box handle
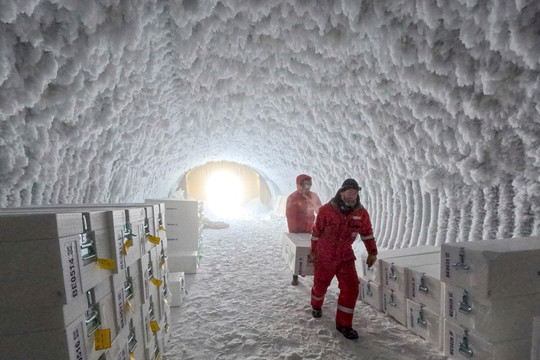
[(464, 306), (392, 275), (368, 290), (422, 286), (421, 319), (464, 348), (392, 299), (461, 265)]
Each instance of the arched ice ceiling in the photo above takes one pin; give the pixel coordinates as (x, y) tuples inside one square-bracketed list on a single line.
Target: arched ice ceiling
[(432, 105)]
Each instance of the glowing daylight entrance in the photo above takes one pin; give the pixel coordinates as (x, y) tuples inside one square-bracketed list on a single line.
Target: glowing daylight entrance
[(224, 194)]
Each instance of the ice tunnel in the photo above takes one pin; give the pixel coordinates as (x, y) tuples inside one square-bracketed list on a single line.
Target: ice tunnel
[(433, 109)]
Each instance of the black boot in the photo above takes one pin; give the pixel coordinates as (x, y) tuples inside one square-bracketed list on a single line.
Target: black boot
[(348, 332), (316, 312)]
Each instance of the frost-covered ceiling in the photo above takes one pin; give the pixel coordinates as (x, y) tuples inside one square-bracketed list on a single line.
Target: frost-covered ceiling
[(431, 105)]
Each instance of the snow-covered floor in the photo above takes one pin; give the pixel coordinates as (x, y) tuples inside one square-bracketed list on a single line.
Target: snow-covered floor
[(240, 305)]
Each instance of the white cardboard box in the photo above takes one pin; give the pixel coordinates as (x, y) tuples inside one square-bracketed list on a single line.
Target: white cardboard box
[(395, 305), (154, 286), (183, 261), (74, 342), (131, 282), (373, 273), (425, 286), (48, 272), (493, 268), (159, 217), (371, 293), (68, 343), (183, 222), (177, 288), (164, 297), (136, 334), (425, 323), (23, 226), (119, 349), (501, 319), (149, 314), (19, 320), (295, 248), (463, 344), (393, 269)]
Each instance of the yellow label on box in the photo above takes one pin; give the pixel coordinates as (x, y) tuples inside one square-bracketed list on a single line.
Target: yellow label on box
[(161, 228), (154, 326), (131, 356), (154, 239), (107, 264), (129, 307), (166, 328), (126, 246), (102, 339), (156, 282)]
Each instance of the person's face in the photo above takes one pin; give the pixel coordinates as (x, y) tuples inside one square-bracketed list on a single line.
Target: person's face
[(349, 196), (305, 186)]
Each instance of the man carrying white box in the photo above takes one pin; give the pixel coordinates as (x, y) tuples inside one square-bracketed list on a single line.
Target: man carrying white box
[(302, 205)]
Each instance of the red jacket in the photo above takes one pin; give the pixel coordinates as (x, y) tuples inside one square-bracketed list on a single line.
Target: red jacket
[(334, 233), (301, 209)]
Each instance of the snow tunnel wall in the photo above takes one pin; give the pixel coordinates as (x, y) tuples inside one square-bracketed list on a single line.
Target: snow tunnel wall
[(433, 109)]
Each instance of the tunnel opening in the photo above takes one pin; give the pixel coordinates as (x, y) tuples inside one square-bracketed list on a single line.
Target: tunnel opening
[(228, 189)]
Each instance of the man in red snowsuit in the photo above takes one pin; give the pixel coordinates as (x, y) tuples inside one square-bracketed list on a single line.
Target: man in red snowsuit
[(338, 224), (301, 208)]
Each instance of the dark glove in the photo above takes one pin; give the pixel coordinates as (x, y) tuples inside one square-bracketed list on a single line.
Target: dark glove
[(371, 260)]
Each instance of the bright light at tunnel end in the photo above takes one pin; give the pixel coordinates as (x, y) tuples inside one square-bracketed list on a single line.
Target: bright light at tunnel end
[(224, 195)]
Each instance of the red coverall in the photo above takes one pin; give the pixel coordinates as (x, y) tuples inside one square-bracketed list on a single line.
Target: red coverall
[(301, 208), (331, 244)]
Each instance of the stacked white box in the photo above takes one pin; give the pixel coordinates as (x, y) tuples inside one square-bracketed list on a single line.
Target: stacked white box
[(119, 349), (492, 268), (425, 323), (295, 249), (462, 344), (53, 253), (425, 293), (177, 288), (395, 305), (371, 293), (425, 286), (70, 276), (51, 343), (373, 273), (371, 279), (184, 225), (500, 319), (21, 320), (386, 286), (492, 293), (394, 270), (395, 286), (159, 219), (68, 343)]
